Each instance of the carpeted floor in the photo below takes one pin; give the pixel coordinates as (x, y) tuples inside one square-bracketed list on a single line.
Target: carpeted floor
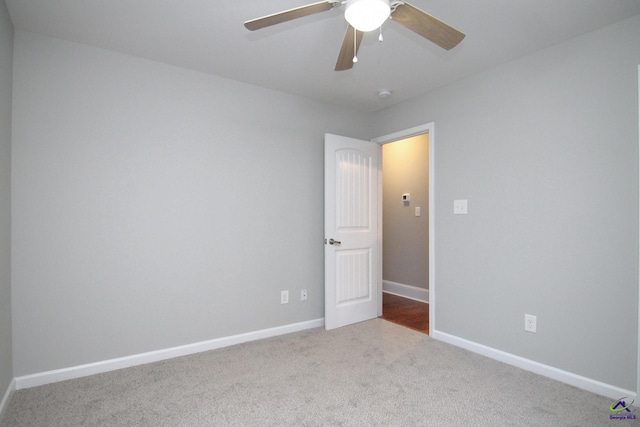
[(374, 373)]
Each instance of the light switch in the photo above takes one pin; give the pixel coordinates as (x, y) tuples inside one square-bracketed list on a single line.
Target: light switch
[(417, 210), (460, 207)]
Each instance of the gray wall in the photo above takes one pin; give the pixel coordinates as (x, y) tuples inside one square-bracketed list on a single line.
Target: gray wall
[(6, 72), (545, 149), (406, 237), (156, 206)]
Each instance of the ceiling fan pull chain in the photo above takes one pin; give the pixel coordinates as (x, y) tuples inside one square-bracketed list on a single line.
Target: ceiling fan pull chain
[(355, 52)]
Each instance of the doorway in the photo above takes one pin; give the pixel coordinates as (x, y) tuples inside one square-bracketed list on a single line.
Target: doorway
[(405, 241), (407, 294)]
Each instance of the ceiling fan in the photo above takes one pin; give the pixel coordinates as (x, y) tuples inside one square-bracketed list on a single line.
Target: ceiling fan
[(368, 15)]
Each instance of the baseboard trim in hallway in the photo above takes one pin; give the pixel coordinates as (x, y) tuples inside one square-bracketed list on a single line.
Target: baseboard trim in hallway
[(407, 291)]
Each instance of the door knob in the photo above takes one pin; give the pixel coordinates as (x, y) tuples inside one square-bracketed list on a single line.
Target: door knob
[(334, 242)]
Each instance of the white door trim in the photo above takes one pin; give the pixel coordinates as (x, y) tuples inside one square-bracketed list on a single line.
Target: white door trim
[(638, 354), (403, 134)]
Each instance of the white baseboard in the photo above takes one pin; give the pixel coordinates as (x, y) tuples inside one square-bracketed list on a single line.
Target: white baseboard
[(578, 381), (407, 291), (7, 397), (57, 375)]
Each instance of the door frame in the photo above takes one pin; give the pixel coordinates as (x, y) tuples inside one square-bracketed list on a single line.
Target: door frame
[(638, 354), (428, 128)]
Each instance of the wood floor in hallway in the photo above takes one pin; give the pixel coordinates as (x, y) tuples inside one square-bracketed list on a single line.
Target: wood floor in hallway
[(407, 312)]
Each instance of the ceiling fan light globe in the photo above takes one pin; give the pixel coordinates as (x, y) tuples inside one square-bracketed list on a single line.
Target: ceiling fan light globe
[(367, 15)]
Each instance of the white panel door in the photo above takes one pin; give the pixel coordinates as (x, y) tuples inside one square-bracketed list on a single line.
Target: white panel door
[(351, 230)]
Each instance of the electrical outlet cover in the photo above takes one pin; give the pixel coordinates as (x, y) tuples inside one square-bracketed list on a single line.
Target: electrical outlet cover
[(530, 323), (460, 207)]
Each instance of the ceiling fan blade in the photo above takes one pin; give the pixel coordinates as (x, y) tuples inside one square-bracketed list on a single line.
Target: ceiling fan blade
[(427, 26), (345, 57), (288, 15)]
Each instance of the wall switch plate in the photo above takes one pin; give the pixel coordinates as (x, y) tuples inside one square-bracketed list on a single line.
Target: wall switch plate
[(284, 297), (460, 207), (303, 295), (530, 323), (417, 210)]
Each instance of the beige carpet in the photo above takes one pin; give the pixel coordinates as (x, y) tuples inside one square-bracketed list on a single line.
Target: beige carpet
[(375, 373)]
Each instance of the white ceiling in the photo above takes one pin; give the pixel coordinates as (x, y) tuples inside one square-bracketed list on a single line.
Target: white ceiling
[(299, 56)]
